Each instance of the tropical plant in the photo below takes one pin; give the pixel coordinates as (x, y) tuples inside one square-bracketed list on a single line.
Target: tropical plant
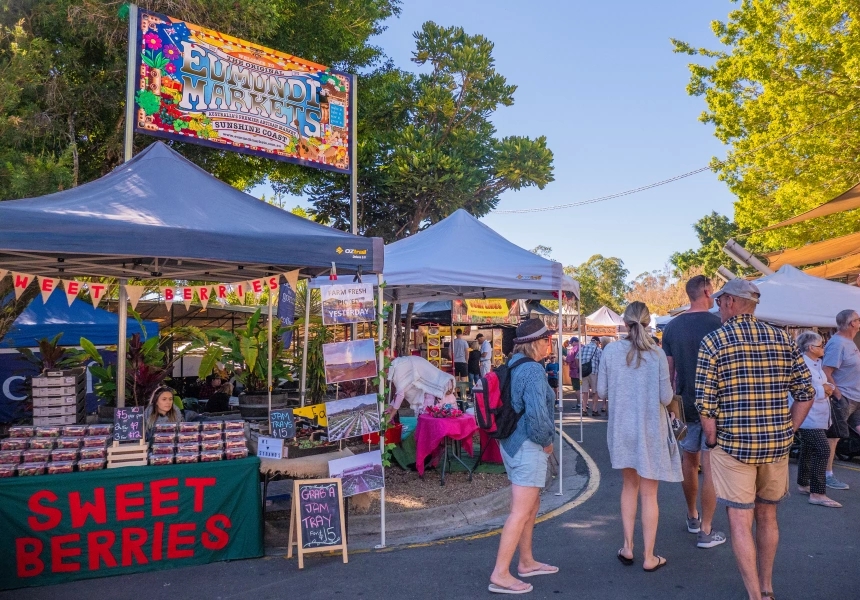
[(52, 355), (316, 385), (245, 353)]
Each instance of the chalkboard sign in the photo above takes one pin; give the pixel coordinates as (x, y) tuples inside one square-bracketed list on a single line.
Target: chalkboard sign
[(317, 523), (282, 424), (128, 424)]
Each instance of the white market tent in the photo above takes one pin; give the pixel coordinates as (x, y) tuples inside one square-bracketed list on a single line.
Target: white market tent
[(604, 317), (791, 297)]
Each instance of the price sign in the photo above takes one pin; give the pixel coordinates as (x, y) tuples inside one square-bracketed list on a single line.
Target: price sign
[(282, 424), (317, 523), (128, 424), (269, 447)]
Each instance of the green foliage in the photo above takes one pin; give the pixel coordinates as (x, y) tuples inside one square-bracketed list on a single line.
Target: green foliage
[(316, 385), (52, 355), (149, 102), (602, 282), (784, 96), (427, 146), (713, 231)]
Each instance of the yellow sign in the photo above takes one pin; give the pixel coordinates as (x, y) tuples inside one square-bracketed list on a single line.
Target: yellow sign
[(491, 307), (315, 411)]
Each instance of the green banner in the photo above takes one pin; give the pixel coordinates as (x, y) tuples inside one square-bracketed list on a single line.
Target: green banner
[(58, 528)]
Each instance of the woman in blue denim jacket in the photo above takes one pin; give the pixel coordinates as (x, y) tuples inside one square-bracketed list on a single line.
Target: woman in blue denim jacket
[(525, 454)]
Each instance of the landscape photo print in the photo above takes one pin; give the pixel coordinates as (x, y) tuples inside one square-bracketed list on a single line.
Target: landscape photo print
[(352, 417), (345, 361), (359, 473)]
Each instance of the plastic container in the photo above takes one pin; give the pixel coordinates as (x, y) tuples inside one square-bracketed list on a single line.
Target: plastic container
[(208, 446), (74, 430), (234, 444), (62, 466), (22, 431), (7, 470), (234, 425), (208, 426), (36, 468), (41, 443), (210, 436), (91, 464), (190, 427), (234, 434), (186, 437), (163, 449), (14, 444), (96, 441), (211, 455), (91, 453), (188, 447), (63, 454), (11, 457), (36, 455), (187, 457), (165, 427), (161, 459), (47, 431), (234, 453), (163, 438), (69, 442), (100, 429)]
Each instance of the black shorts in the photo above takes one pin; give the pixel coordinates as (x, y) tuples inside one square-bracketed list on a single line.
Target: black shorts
[(553, 383), (461, 369)]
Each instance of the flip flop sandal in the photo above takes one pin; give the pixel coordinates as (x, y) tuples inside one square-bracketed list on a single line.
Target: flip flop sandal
[(543, 570), (500, 589), (661, 562), (768, 595), (828, 503), (624, 560)]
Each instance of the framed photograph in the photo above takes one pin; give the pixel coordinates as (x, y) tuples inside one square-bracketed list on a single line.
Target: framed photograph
[(351, 303), (352, 417), (345, 361), (359, 473)]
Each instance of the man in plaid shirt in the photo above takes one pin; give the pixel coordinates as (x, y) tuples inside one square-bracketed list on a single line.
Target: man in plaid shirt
[(745, 371), (591, 352)]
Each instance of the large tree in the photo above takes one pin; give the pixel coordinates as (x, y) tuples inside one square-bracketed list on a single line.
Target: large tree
[(661, 290), (602, 282), (63, 85), (713, 231), (427, 146), (784, 96)]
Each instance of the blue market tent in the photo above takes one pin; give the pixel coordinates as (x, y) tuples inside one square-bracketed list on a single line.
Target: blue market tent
[(40, 320), (161, 216)]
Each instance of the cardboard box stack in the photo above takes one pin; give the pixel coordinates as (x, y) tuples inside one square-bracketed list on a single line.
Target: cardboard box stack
[(59, 397)]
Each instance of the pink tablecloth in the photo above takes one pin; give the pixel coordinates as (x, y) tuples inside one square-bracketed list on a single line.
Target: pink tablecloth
[(430, 432)]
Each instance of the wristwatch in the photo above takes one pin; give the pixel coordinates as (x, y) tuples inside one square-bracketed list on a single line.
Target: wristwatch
[(710, 446)]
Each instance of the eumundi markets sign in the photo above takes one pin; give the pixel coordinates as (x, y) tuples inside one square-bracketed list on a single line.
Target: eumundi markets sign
[(201, 86)]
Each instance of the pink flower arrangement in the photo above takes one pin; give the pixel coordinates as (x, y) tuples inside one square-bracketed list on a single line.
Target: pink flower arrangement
[(152, 41), (444, 411)]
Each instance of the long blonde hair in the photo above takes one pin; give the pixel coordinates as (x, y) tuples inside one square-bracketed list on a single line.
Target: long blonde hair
[(637, 317)]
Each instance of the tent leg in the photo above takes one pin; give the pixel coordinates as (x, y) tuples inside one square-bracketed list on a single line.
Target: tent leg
[(304, 382), (269, 373), (582, 340), (121, 344), (381, 359), (560, 397)]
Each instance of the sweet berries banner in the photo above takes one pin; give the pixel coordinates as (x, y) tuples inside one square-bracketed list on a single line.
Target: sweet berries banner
[(200, 86)]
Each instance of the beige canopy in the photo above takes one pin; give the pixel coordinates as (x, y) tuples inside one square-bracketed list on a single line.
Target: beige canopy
[(817, 252), (846, 201)]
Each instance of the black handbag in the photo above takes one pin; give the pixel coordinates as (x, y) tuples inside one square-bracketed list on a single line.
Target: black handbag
[(838, 418)]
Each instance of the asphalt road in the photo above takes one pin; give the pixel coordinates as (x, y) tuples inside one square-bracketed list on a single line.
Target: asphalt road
[(817, 559)]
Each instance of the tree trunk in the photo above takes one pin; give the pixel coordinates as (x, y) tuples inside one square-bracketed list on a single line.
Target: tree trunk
[(407, 334)]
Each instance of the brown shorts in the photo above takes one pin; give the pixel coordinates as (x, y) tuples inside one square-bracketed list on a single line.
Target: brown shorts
[(741, 485)]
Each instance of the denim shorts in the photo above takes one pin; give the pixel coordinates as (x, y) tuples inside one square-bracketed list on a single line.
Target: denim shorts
[(694, 441), (528, 466)]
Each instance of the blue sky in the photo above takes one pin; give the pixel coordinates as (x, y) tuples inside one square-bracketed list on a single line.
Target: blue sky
[(600, 80)]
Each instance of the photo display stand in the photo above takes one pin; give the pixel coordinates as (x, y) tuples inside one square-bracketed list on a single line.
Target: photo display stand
[(317, 522)]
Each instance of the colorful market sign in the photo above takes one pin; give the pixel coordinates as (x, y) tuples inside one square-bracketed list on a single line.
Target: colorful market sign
[(59, 528), (204, 87), (491, 307)]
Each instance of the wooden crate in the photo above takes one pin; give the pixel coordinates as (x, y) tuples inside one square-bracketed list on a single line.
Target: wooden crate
[(127, 454)]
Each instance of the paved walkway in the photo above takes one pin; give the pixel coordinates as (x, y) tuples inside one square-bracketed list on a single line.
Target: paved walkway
[(817, 559)]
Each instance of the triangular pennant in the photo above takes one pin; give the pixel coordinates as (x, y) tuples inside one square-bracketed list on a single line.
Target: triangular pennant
[(271, 283), (3, 274), (72, 288), (97, 292), (46, 286), (333, 275), (241, 288), (169, 296), (21, 281), (220, 292), (257, 286), (203, 294), (187, 294), (134, 292), (292, 278)]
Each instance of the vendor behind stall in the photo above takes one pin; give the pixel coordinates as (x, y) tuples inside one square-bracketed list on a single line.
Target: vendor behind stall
[(420, 383), (161, 408)]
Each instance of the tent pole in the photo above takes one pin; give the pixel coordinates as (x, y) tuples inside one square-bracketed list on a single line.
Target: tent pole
[(560, 396), (304, 382), (269, 374), (581, 333), (121, 344), (381, 359), (128, 138)]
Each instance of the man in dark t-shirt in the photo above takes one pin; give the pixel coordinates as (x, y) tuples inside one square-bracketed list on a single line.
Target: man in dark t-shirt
[(681, 340)]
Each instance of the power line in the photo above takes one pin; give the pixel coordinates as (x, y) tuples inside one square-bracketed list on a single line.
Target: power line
[(671, 179)]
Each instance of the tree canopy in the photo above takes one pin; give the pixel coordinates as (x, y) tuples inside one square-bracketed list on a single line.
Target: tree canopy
[(602, 281), (713, 231), (784, 96)]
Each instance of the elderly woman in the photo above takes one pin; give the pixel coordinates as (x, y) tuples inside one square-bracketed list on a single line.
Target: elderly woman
[(634, 377), (814, 448), (525, 454)]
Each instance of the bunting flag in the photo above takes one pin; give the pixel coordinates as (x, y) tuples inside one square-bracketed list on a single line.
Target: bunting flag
[(241, 288), (203, 294), (187, 294), (169, 296), (3, 274), (46, 286), (273, 283), (72, 288), (20, 281), (134, 292), (97, 292), (292, 278), (333, 275), (256, 286), (220, 291)]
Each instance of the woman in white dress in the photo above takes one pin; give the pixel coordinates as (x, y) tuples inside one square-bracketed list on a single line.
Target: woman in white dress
[(634, 377)]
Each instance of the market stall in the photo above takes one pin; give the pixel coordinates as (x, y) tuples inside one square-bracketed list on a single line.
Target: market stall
[(604, 321)]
